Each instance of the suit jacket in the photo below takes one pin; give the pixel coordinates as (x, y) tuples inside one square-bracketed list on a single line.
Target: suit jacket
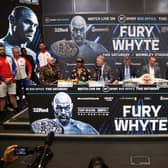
[(133, 72), (145, 69), (107, 73), (167, 73)]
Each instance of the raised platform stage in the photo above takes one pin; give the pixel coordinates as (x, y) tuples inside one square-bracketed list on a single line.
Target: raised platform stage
[(118, 151)]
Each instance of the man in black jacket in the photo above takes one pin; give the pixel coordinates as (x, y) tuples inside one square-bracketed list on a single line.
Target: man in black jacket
[(34, 77), (167, 70), (152, 67)]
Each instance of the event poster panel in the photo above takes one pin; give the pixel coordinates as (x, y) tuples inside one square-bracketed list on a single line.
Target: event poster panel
[(115, 36), (22, 26), (93, 111)]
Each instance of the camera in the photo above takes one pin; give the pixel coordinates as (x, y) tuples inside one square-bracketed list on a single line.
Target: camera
[(21, 151)]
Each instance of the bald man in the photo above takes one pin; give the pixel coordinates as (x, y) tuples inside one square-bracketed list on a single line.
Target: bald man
[(50, 73), (23, 23), (63, 122), (79, 44)]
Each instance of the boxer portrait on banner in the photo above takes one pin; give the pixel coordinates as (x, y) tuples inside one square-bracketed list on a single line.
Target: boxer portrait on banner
[(23, 24), (78, 45), (63, 122)]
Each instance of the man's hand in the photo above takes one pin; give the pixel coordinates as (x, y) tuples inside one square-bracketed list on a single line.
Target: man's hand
[(8, 80), (8, 155), (28, 76)]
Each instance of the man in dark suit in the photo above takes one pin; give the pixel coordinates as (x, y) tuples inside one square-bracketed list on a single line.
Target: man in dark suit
[(126, 71), (166, 75), (152, 68), (102, 70)]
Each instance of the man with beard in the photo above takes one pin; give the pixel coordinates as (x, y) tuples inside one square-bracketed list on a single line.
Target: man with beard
[(68, 50), (7, 81), (22, 27), (63, 122), (80, 72), (50, 73)]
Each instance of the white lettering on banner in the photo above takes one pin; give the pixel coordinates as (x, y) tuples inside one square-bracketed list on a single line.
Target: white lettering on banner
[(136, 38), (140, 118), (126, 44), (131, 125), (136, 31), (141, 110)]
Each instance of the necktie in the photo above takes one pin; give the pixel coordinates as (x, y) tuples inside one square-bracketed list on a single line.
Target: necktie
[(127, 73), (99, 73)]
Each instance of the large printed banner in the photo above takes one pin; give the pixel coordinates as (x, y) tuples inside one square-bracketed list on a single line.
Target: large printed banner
[(115, 36), (21, 26), (93, 111)]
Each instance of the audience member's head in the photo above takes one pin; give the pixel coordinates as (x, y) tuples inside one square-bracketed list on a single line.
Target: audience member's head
[(97, 162)]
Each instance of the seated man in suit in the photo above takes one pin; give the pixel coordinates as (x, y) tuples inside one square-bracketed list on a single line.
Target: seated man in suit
[(127, 71), (166, 71), (152, 67), (103, 71)]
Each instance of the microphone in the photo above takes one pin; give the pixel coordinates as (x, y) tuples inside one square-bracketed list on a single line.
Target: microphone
[(49, 139), (45, 154)]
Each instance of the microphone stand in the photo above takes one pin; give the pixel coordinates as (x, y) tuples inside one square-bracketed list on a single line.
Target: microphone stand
[(46, 154), (45, 157)]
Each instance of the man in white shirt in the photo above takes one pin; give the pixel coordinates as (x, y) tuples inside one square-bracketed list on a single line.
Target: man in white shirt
[(43, 55), (22, 78)]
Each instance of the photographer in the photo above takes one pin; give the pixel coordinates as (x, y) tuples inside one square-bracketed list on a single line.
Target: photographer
[(8, 156)]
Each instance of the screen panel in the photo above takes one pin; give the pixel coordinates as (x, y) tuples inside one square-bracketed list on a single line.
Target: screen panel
[(126, 7), (156, 6), (87, 6), (52, 7)]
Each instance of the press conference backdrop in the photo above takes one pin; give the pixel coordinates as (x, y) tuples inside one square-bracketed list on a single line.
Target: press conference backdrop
[(114, 35)]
